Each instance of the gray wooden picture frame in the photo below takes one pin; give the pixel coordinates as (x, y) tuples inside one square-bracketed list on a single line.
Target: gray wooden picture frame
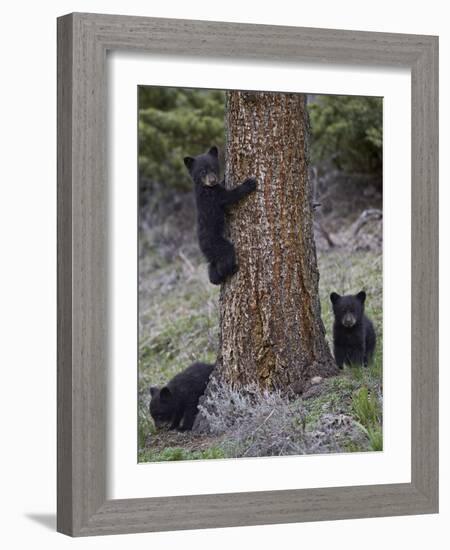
[(83, 41)]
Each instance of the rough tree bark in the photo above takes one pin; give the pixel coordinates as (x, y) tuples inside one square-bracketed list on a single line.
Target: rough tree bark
[(271, 330)]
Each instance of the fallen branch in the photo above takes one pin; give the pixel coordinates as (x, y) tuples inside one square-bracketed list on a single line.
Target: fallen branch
[(186, 262), (318, 225), (365, 217)]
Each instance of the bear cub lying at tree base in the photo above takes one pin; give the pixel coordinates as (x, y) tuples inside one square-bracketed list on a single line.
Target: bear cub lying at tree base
[(353, 333), (212, 199), (178, 400)]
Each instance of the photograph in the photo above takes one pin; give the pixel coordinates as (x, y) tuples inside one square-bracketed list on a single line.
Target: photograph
[(247, 272), (260, 274)]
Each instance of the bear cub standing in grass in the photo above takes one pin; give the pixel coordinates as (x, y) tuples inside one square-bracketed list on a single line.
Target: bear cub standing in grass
[(212, 199), (178, 400), (353, 333)]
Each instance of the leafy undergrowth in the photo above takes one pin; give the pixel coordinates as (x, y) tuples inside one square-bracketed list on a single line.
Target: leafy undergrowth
[(178, 324)]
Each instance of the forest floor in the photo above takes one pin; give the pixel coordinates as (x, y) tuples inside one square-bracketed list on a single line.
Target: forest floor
[(178, 324)]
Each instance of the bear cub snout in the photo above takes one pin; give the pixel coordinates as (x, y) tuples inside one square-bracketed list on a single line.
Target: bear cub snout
[(354, 336)]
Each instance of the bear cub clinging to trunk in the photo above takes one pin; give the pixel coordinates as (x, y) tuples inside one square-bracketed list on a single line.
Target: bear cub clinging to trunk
[(178, 400), (353, 333), (212, 199)]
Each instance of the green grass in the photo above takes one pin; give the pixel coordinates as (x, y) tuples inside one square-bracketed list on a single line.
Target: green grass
[(375, 436), (178, 313), (178, 324), (335, 399), (365, 407), (367, 411), (348, 273), (178, 453)]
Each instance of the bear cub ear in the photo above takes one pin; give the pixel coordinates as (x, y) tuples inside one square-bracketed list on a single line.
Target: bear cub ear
[(188, 162), (361, 296), (334, 297), (153, 391), (214, 151), (165, 394)]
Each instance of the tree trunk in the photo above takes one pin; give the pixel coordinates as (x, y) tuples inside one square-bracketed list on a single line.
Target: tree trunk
[(271, 332)]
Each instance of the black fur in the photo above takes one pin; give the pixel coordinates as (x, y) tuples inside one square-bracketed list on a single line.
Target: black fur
[(353, 332), (178, 400), (212, 199)]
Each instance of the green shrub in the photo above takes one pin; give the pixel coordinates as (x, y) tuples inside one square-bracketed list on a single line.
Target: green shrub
[(172, 119), (348, 129)]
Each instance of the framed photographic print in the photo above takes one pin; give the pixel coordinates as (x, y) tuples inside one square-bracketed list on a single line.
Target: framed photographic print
[(247, 274)]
